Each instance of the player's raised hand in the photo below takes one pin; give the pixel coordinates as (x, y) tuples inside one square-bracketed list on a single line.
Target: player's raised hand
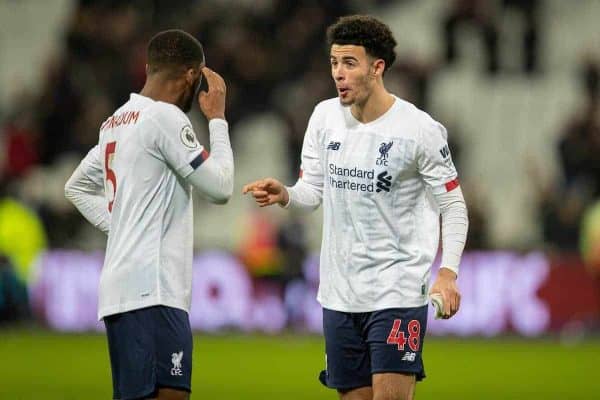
[(445, 285), (267, 192), (212, 103)]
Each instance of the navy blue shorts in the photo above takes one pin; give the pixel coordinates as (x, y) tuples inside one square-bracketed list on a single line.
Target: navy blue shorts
[(358, 345), (149, 348)]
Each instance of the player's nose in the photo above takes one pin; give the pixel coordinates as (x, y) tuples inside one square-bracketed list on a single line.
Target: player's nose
[(337, 73)]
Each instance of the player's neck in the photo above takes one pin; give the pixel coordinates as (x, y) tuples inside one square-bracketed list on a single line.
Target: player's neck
[(374, 107), (161, 91)]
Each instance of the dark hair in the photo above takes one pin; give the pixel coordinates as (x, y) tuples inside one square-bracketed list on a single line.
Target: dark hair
[(172, 49), (363, 30)]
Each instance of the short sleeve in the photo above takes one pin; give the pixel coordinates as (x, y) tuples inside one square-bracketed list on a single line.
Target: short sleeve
[(434, 161), (310, 168), (176, 142)]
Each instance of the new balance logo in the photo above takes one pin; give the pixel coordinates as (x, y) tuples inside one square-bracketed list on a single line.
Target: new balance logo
[(409, 356), (334, 146), (445, 151), (384, 182), (176, 360)]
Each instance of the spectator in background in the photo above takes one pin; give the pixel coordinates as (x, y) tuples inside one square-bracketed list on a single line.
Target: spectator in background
[(21, 139), (482, 15), (590, 79), (590, 243), (477, 236), (579, 148), (561, 213), (530, 11), (291, 240), (414, 77), (259, 251), (14, 304), (479, 14), (22, 236), (563, 203)]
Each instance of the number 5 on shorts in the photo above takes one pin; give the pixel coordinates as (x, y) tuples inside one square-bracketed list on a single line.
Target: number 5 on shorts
[(399, 338)]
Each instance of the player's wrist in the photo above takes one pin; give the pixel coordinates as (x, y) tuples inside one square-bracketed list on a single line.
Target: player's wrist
[(217, 123), (285, 198), (447, 273)]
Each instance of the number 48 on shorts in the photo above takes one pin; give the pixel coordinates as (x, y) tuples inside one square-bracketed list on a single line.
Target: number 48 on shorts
[(398, 337)]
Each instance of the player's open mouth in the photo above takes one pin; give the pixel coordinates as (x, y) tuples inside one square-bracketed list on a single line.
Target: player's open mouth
[(343, 91)]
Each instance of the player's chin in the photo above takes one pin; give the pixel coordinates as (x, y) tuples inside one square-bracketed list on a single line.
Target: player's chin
[(346, 101)]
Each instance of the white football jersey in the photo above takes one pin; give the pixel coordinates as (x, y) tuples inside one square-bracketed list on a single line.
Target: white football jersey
[(381, 222), (146, 150)]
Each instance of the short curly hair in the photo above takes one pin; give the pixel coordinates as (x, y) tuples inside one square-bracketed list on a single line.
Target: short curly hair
[(174, 48), (364, 30)]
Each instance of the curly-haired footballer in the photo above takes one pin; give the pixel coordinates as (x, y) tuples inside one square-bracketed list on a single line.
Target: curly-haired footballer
[(383, 171)]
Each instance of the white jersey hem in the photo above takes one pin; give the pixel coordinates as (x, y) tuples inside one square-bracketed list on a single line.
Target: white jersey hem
[(122, 308), (376, 307)]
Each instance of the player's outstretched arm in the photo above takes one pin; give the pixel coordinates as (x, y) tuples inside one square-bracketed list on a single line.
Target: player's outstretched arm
[(267, 192), (85, 189), (302, 196)]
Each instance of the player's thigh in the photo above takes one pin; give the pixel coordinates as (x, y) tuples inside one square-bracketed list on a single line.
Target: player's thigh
[(172, 394), (395, 339), (363, 393), (393, 386), (174, 347), (131, 350), (347, 354)]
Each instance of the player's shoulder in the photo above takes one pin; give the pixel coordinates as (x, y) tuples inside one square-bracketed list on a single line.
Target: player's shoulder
[(327, 110), (407, 110), (166, 114), (424, 123), (328, 105)]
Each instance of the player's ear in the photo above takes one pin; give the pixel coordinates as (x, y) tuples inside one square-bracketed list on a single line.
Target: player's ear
[(378, 67), (190, 76)]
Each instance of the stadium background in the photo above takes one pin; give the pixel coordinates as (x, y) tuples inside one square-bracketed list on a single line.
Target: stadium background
[(516, 82)]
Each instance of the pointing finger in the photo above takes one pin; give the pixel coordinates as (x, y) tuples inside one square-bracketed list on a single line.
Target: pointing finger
[(259, 194), (249, 187)]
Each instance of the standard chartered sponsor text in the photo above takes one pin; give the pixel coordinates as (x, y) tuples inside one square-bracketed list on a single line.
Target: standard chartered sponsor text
[(366, 174)]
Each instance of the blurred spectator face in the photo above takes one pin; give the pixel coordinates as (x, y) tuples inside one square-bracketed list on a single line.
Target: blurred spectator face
[(352, 70)]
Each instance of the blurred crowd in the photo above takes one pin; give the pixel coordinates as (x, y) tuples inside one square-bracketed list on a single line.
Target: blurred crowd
[(262, 48), (563, 203), (273, 57)]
